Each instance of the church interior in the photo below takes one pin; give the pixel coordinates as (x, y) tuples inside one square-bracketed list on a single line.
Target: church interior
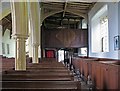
[(69, 45)]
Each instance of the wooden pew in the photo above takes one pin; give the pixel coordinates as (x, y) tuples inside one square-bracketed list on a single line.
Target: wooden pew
[(46, 68), (84, 65), (48, 59), (41, 85), (36, 78), (105, 73), (36, 71), (46, 65), (39, 78), (7, 63), (37, 75), (40, 74), (110, 75)]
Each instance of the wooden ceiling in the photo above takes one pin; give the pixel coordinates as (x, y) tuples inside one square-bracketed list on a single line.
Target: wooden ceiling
[(82, 7), (57, 20), (56, 14), (71, 13)]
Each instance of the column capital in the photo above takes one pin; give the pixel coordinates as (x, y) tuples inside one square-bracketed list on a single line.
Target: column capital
[(40, 24), (17, 36), (35, 44)]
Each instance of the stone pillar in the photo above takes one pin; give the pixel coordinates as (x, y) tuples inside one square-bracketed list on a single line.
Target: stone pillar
[(35, 30), (20, 59), (39, 49), (35, 53), (19, 12)]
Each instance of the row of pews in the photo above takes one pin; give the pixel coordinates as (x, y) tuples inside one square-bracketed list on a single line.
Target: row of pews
[(101, 72), (9, 63), (44, 76), (97, 73)]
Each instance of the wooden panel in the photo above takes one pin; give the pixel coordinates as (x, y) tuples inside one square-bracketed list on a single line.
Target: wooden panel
[(64, 38), (85, 68), (109, 76), (76, 63), (104, 76), (113, 80), (97, 75), (90, 68), (93, 73), (40, 85), (81, 66), (119, 77)]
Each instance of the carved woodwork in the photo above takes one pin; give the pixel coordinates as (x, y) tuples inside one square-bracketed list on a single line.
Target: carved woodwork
[(64, 38)]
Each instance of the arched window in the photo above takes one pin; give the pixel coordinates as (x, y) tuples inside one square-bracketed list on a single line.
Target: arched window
[(104, 33), (99, 29)]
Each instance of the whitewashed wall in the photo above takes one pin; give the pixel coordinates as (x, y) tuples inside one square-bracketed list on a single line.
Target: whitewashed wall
[(0, 40), (119, 25), (6, 40), (112, 27), (84, 24), (4, 9)]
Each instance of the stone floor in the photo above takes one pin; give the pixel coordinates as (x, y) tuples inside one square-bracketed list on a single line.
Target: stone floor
[(84, 86)]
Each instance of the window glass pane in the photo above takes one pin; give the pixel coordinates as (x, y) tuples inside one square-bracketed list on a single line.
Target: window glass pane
[(3, 48), (82, 51), (104, 34), (8, 49)]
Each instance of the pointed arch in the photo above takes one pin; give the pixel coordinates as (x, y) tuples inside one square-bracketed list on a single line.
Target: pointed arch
[(70, 11)]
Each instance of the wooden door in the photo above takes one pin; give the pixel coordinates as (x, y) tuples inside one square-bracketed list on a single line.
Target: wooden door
[(49, 53)]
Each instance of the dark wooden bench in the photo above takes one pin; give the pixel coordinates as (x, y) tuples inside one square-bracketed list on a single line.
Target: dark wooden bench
[(37, 75), (104, 72), (36, 71), (40, 74), (48, 59), (46, 77), (45, 65), (7, 63), (41, 85), (36, 78), (46, 68)]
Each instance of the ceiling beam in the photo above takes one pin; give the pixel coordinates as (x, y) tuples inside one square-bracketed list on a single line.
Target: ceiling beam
[(64, 10), (77, 10), (68, 17), (7, 19), (45, 15), (77, 13), (65, 6), (91, 6), (51, 5), (55, 8), (80, 3)]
